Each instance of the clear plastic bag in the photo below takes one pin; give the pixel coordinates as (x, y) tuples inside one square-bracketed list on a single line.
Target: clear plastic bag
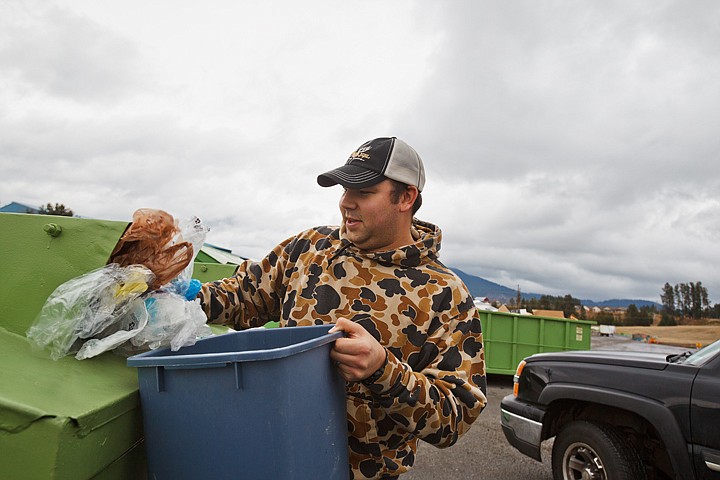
[(129, 325), (85, 306), (110, 309), (192, 231), (172, 321)]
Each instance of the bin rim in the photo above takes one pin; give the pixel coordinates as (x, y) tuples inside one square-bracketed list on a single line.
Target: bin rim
[(156, 358)]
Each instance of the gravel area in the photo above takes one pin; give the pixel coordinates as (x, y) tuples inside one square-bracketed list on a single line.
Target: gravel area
[(483, 452)]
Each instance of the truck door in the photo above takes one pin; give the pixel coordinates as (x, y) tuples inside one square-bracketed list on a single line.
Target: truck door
[(705, 420)]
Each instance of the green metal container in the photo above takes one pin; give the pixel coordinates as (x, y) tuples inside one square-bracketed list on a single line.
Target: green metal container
[(40, 252), (207, 272), (68, 419), (510, 337)]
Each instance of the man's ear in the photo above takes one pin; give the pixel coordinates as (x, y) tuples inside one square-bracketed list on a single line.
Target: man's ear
[(407, 199)]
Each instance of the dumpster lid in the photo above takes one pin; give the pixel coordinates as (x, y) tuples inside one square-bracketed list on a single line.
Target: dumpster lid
[(89, 392)]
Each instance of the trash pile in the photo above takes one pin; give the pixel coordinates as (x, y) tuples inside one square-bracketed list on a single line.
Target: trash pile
[(645, 338), (144, 298)]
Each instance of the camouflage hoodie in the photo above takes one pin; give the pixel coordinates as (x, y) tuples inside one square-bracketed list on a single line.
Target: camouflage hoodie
[(432, 387)]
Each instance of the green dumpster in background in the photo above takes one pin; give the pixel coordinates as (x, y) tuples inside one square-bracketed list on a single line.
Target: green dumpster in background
[(510, 337), (207, 272)]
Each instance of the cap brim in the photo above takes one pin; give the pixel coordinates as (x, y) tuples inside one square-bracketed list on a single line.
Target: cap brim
[(350, 176)]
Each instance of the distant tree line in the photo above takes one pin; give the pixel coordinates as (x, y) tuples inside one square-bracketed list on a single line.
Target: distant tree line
[(57, 209), (572, 306), (568, 304), (630, 317), (684, 300), (688, 300)]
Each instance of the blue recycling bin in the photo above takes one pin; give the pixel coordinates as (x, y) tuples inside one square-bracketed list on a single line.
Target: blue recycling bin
[(255, 404)]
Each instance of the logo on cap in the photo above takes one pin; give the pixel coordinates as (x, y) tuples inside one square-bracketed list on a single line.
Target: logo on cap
[(360, 154)]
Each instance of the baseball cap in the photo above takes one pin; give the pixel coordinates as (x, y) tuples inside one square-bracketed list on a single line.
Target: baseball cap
[(376, 160)]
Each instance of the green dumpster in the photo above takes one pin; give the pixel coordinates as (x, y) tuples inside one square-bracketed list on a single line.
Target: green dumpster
[(207, 272), (510, 337), (68, 419)]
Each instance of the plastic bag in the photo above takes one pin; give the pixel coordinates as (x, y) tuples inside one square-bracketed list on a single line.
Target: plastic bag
[(110, 309), (85, 306), (129, 325), (172, 321), (151, 240), (192, 231)]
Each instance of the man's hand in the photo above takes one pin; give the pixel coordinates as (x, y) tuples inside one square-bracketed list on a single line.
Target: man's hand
[(357, 355)]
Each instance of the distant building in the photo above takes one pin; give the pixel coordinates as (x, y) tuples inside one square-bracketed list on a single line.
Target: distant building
[(14, 207), (483, 303)]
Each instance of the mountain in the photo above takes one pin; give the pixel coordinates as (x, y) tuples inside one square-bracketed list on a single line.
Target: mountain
[(480, 287)]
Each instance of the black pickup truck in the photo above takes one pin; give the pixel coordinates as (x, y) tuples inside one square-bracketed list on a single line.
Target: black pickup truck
[(619, 415)]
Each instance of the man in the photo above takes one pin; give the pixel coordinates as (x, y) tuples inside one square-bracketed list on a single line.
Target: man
[(412, 353)]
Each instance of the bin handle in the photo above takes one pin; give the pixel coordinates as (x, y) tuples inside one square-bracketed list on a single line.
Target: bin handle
[(160, 375), (194, 366)]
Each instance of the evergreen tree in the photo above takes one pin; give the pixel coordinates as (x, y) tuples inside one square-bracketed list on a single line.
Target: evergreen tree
[(632, 315), (667, 320), (668, 298), (696, 299), (605, 318), (686, 299), (705, 301), (568, 305), (58, 209)]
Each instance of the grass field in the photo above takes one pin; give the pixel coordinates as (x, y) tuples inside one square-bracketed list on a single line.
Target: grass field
[(682, 335)]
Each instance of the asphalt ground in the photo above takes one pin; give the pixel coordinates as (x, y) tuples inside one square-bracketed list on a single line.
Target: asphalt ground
[(484, 453)]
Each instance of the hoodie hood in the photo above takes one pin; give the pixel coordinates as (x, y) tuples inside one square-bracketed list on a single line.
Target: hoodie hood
[(424, 249)]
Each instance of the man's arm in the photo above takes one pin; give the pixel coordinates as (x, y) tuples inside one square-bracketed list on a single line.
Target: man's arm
[(437, 404), (250, 298)]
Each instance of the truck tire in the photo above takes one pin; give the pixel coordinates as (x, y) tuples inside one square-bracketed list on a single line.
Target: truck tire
[(594, 451)]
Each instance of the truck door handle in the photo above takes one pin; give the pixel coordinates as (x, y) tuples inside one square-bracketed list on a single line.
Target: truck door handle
[(712, 461)]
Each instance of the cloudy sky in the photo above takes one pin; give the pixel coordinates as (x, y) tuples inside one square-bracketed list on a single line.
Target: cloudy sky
[(571, 147)]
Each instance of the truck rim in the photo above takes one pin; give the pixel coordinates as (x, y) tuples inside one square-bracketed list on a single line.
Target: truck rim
[(581, 462)]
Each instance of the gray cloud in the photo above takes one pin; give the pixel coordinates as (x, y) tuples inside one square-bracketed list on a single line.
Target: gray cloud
[(554, 87), (55, 52), (570, 147), (582, 138)]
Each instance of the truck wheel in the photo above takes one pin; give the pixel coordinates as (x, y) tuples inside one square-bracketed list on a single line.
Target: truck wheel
[(594, 451)]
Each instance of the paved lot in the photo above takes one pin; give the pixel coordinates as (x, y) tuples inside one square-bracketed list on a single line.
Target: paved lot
[(483, 453)]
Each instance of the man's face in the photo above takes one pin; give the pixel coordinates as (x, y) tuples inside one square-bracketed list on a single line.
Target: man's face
[(372, 221)]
